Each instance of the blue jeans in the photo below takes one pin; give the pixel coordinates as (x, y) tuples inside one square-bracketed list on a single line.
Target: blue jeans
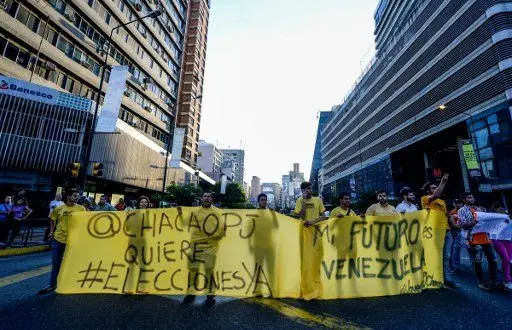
[(58, 249), (458, 242), (447, 255)]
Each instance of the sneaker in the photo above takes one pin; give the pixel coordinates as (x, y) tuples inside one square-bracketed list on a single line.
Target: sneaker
[(484, 286), (451, 284), (508, 286), (48, 289), (189, 299), (210, 300)]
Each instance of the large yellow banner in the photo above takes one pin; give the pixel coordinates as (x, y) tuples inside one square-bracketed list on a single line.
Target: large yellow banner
[(246, 253)]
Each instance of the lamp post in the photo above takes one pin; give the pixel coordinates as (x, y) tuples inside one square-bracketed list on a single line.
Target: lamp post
[(169, 140), (90, 133)]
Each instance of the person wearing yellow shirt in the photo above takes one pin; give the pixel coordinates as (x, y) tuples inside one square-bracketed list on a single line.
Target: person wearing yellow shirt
[(432, 201), (211, 229), (310, 209), (339, 212), (59, 231), (382, 208)]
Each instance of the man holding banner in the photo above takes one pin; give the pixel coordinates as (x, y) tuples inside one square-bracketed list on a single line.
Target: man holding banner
[(206, 230), (310, 209), (478, 242)]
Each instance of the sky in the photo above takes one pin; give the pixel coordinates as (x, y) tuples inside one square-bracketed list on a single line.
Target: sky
[(271, 65)]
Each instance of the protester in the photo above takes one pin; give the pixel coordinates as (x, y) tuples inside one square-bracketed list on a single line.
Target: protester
[(209, 242), (432, 201), (103, 205), (382, 207), (478, 243), (21, 194), (120, 206), (5, 215), (310, 210), (458, 240), (408, 203), (262, 201), (53, 204), (59, 231), (143, 202), (339, 212), (132, 206), (19, 213)]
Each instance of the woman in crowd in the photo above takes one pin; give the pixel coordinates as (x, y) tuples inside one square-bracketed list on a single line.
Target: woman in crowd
[(143, 202), (19, 213)]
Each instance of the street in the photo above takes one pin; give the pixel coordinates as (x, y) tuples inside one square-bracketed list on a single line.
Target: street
[(21, 277)]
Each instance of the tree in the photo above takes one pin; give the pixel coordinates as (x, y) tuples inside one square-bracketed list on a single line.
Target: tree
[(182, 195), (234, 198)]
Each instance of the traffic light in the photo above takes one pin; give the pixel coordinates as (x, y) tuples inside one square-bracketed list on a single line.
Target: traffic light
[(74, 169), (97, 169)]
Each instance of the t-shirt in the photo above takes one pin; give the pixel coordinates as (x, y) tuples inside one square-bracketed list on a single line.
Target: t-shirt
[(4, 208), (338, 210), (18, 211), (437, 204), (377, 210), (54, 204), (314, 207), (467, 215), (406, 208), (61, 216), (211, 223), (104, 207)]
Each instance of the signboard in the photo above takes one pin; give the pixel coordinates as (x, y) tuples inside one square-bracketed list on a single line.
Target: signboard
[(113, 98), (29, 91), (177, 145), (470, 159), (485, 188), (434, 174)]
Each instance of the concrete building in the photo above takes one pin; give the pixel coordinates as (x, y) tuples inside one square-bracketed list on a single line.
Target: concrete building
[(247, 190), (238, 156), (273, 191), (210, 160), (191, 88), (255, 188), (291, 186), (439, 85), (323, 117)]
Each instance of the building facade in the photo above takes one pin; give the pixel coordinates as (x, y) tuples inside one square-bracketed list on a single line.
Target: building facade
[(442, 76), (191, 88), (210, 160), (273, 192), (323, 117), (238, 157), (255, 188)]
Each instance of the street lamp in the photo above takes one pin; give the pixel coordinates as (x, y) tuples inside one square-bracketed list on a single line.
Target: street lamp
[(89, 135), (197, 97)]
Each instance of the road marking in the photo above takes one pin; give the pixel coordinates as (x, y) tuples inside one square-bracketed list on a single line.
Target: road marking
[(24, 276), (303, 317)]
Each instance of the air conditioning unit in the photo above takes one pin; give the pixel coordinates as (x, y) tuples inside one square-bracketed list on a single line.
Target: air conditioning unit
[(127, 93), (85, 64), (49, 66), (147, 81), (170, 104), (170, 28), (4, 5), (144, 35), (138, 6), (134, 124), (147, 108), (70, 17)]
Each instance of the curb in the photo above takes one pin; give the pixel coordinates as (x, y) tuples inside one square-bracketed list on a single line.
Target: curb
[(24, 250)]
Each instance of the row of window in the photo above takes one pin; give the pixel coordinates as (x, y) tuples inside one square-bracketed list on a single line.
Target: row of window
[(81, 23), (145, 103), (22, 57), (26, 17)]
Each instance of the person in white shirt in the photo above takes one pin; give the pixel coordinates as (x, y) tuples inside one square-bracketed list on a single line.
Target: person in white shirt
[(53, 204), (408, 201)]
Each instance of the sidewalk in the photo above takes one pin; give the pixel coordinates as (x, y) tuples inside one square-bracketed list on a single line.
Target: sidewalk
[(30, 240)]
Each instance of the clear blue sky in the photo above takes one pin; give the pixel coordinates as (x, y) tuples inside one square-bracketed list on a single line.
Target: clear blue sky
[(270, 66)]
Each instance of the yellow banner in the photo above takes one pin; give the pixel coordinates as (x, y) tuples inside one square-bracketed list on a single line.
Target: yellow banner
[(245, 253)]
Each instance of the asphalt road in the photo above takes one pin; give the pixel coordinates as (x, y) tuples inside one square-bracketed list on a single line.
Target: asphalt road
[(20, 308)]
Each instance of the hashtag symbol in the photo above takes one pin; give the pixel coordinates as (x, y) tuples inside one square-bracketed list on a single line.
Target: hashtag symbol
[(91, 275)]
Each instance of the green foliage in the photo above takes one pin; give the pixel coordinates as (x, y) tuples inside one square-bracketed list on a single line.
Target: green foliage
[(234, 198), (182, 195)]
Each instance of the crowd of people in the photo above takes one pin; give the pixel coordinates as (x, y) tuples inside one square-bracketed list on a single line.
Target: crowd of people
[(310, 210)]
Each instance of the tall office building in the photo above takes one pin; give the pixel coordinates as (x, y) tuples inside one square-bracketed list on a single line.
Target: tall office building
[(58, 46), (255, 188), (441, 83), (210, 160), (323, 117), (238, 156), (191, 89)]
